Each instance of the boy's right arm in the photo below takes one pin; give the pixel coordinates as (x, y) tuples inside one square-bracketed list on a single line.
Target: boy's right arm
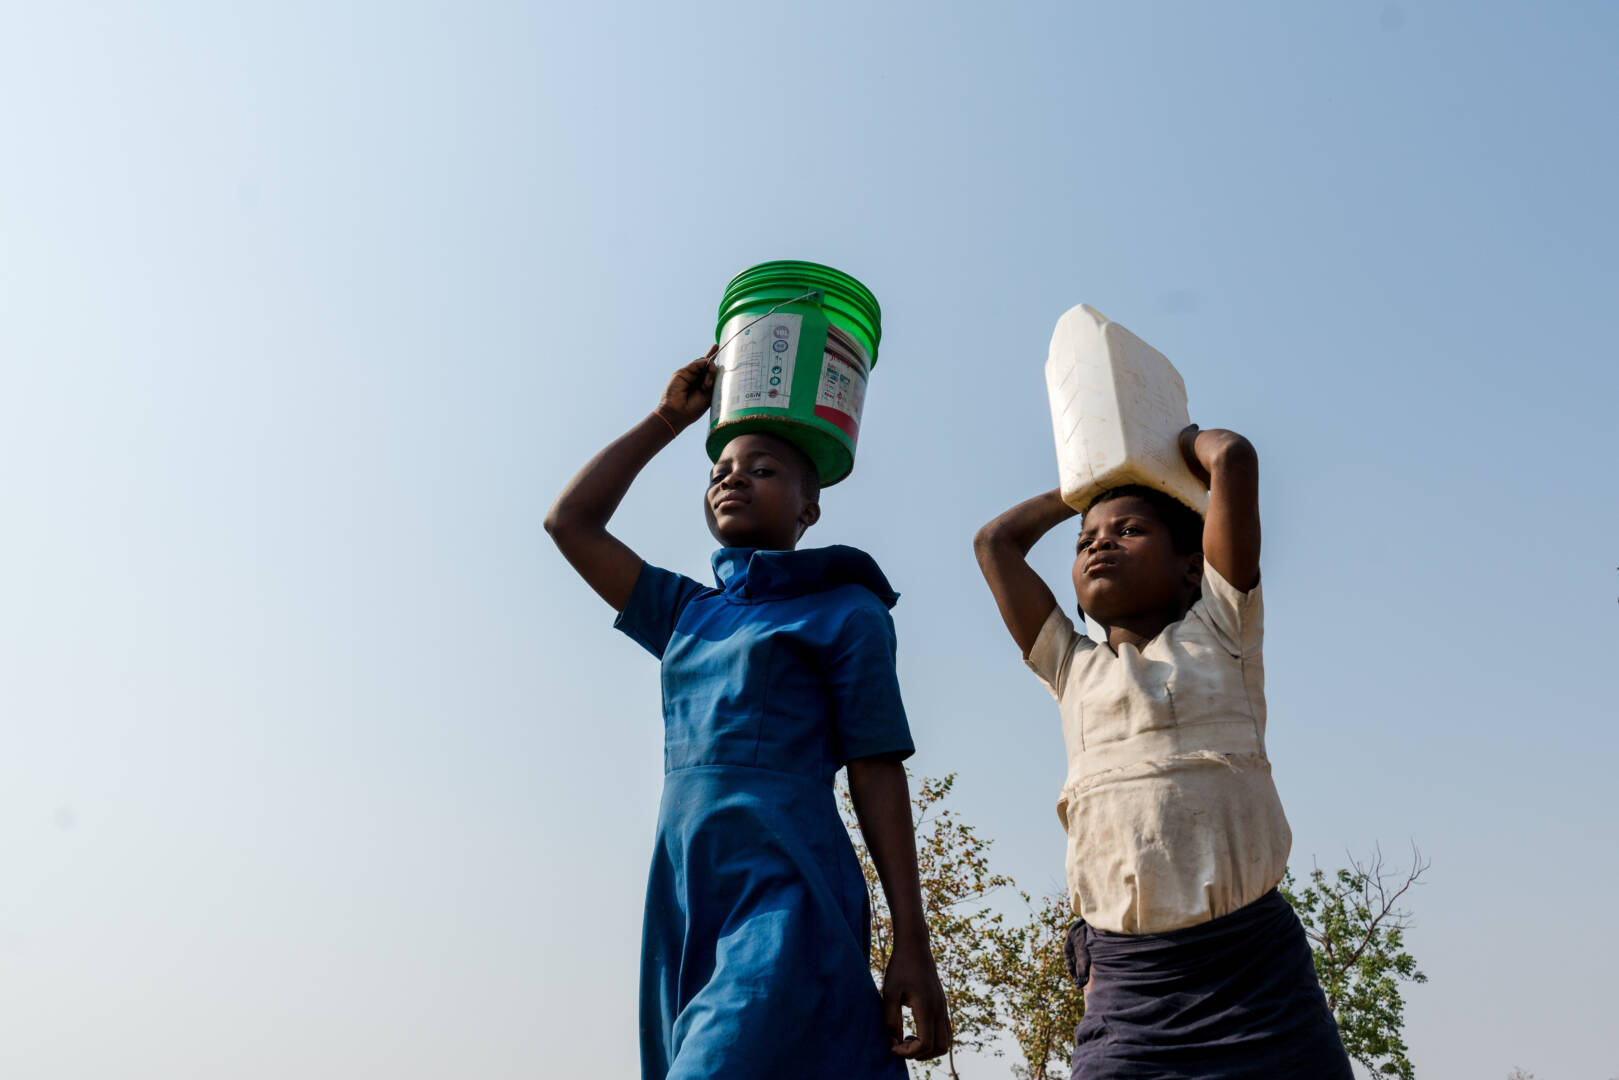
[(1002, 546), (577, 521)]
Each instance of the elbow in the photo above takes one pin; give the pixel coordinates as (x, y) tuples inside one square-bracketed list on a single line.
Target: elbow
[(571, 530), (995, 543), (985, 541), (1234, 453), (557, 523)]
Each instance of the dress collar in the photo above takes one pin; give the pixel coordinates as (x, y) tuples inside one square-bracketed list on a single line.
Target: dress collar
[(754, 574)]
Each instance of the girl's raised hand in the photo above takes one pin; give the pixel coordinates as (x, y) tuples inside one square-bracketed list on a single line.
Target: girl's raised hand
[(689, 392)]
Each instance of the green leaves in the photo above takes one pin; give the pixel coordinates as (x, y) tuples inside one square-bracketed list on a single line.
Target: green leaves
[(999, 977), (1357, 935), (953, 863), (1029, 975)]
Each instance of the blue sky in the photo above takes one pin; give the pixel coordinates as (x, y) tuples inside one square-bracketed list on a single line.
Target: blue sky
[(320, 762)]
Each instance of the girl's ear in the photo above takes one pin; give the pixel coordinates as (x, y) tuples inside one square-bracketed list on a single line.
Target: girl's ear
[(808, 516)]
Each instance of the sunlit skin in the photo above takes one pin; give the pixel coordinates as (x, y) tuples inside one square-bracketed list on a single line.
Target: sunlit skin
[(1126, 573), (756, 496)]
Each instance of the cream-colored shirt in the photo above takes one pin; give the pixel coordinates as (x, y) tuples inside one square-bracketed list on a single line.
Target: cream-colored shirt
[(1171, 814)]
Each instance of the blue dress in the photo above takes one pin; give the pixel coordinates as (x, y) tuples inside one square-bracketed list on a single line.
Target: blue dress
[(754, 949)]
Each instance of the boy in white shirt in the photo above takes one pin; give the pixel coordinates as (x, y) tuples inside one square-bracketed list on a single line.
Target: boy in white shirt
[(1194, 965)]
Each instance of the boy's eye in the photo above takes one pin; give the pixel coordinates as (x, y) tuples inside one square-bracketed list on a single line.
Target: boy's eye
[(1084, 542), (763, 472)]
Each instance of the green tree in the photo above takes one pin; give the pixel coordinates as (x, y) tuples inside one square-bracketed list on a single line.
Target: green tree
[(953, 863), (1041, 1004), (1356, 928)]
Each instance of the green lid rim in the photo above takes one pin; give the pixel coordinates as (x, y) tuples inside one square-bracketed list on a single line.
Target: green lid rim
[(859, 304)]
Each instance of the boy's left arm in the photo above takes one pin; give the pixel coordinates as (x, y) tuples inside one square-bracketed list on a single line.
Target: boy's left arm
[(1228, 464), (882, 802)]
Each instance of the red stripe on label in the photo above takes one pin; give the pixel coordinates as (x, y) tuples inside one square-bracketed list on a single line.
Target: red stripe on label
[(849, 425)]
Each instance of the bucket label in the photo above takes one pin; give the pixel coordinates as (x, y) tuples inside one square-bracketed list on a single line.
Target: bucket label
[(841, 393), (756, 368)]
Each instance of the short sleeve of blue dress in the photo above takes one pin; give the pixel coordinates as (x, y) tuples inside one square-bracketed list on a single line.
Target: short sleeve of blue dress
[(869, 716), (655, 604)]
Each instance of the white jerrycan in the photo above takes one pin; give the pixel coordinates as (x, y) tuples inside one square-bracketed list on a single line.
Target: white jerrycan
[(1117, 409)]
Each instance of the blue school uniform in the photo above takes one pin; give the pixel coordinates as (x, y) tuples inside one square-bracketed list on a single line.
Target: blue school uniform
[(757, 930)]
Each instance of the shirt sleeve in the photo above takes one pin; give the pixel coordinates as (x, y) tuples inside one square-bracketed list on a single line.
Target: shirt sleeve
[(1236, 617), (655, 605), (1052, 649), (869, 716)]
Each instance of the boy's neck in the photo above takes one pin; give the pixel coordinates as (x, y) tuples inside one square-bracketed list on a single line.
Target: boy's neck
[(1140, 628)]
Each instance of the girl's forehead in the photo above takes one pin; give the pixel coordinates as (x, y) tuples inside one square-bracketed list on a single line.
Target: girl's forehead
[(733, 457), (748, 447), (1126, 506)]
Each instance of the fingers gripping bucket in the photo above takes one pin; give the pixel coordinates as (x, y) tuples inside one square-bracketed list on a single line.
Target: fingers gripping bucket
[(800, 340)]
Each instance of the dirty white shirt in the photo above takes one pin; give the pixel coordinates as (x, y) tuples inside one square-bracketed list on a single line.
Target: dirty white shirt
[(1171, 814)]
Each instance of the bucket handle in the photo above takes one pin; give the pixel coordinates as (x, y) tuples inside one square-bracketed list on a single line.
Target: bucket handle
[(814, 296)]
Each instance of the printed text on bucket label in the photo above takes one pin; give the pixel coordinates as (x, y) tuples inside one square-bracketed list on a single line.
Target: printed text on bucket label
[(756, 369)]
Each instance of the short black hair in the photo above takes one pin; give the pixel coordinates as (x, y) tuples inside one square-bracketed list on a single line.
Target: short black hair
[(1185, 525)]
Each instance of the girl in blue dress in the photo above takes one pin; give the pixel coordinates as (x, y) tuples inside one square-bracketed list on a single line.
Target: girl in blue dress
[(757, 927)]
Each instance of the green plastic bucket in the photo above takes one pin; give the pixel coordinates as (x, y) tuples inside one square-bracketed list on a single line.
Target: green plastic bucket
[(798, 371)]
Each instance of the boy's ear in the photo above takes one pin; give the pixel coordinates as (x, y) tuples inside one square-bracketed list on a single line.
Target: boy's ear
[(1194, 570), (808, 516)]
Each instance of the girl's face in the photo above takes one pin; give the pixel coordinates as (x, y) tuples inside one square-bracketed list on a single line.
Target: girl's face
[(1126, 568), (756, 497)]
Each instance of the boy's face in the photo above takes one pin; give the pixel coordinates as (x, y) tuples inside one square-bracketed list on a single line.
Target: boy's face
[(756, 497), (1125, 565)]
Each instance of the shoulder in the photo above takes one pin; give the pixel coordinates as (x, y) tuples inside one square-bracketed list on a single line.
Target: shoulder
[(1058, 648), (1232, 617), (854, 597), (855, 608)]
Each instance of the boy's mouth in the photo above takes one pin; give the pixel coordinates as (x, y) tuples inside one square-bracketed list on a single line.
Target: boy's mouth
[(731, 501), (1100, 566)]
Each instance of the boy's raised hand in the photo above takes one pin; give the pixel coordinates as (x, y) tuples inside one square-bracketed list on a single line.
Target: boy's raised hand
[(690, 391), (1228, 464), (911, 979)]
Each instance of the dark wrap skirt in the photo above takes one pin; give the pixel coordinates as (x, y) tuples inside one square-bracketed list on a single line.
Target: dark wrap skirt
[(1233, 997)]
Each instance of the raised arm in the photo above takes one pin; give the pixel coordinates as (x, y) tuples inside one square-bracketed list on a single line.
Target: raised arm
[(1002, 548), (577, 521), (1227, 463)]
